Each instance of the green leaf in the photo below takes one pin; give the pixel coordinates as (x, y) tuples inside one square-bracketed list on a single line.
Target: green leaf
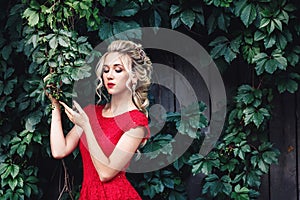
[(281, 61), (278, 24), (287, 85), (239, 6), (229, 55), (63, 41), (125, 9), (103, 2), (263, 166), (253, 178), (270, 66), (218, 51), (4, 102), (33, 19), (83, 6), (258, 118), (248, 15), (188, 18), (211, 23), (12, 183), (21, 150), (37, 137), (215, 187), (3, 167), (174, 195), (249, 52), (32, 179), (264, 22), (105, 30), (200, 18), (271, 27), (168, 182), (225, 48), (15, 169), (174, 9), (240, 193), (1, 87), (9, 86), (281, 41), (270, 157), (223, 21), (27, 190), (259, 35), (6, 51), (175, 21), (269, 41), (53, 43), (32, 120), (260, 60), (129, 30), (155, 19)]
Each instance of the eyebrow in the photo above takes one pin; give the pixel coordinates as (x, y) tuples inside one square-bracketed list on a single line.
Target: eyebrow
[(115, 65)]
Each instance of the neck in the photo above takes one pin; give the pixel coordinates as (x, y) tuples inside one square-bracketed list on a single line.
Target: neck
[(121, 103)]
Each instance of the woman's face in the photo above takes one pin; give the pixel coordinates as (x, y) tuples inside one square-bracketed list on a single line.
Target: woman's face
[(115, 74)]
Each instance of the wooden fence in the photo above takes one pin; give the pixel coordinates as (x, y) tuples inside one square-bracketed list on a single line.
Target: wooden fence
[(283, 180)]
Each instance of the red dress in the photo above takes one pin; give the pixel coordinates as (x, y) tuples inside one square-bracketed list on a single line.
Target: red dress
[(108, 131)]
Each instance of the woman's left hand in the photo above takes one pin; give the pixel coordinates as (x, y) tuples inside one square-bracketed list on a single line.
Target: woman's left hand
[(78, 117)]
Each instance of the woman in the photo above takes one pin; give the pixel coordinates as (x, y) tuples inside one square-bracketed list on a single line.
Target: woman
[(108, 135)]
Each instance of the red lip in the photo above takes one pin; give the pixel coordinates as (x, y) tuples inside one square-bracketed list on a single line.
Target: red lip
[(110, 85)]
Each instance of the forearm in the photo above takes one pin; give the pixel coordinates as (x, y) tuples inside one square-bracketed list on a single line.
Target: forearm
[(57, 138), (101, 162), (108, 167), (93, 146)]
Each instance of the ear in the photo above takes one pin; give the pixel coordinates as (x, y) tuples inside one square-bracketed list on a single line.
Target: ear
[(134, 79)]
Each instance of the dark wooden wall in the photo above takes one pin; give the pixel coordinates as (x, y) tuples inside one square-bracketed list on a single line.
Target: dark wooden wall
[(283, 180)]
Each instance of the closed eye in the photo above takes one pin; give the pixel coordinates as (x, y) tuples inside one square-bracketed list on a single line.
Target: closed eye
[(117, 67), (106, 69), (118, 70)]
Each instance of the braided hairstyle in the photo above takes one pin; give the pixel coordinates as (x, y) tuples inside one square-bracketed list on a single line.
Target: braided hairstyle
[(133, 55)]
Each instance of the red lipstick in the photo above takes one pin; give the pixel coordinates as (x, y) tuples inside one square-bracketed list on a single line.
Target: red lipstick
[(110, 85)]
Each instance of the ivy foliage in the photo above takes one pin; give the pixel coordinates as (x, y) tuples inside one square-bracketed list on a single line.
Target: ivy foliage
[(48, 45), (168, 183)]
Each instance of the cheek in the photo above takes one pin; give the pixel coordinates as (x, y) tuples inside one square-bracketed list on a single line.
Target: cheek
[(103, 77)]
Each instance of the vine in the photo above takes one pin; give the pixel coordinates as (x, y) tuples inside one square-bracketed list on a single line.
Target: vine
[(44, 46)]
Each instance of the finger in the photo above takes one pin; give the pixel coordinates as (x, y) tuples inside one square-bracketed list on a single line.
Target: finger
[(70, 116), (66, 106), (78, 107)]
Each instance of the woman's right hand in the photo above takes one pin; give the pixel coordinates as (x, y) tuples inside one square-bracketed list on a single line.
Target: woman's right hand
[(54, 102)]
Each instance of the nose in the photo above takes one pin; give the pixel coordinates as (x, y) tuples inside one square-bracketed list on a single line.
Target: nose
[(109, 74)]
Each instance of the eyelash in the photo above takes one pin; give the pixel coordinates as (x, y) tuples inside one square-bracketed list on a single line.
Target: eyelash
[(117, 70)]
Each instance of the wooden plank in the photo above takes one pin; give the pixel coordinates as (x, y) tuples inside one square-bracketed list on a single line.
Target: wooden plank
[(189, 85), (298, 139), (265, 188), (190, 88), (161, 80), (283, 134)]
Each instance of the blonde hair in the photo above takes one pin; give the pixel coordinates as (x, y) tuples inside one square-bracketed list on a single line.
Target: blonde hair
[(141, 69)]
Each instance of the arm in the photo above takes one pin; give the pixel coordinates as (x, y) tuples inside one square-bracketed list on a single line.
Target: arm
[(107, 167), (62, 146)]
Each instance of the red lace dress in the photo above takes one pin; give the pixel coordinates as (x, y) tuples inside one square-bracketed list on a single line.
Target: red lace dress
[(108, 131)]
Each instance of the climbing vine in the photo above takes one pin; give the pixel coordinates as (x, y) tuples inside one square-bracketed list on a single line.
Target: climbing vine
[(48, 45)]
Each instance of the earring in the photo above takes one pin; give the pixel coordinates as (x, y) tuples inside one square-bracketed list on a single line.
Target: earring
[(133, 89)]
